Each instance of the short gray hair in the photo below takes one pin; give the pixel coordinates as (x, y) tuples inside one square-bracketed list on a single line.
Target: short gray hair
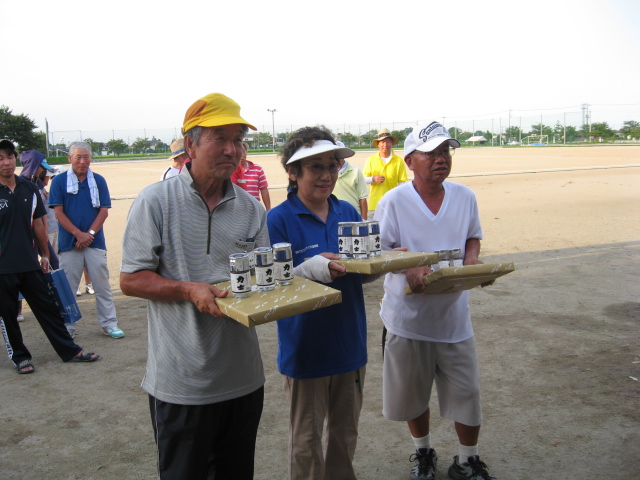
[(79, 146)]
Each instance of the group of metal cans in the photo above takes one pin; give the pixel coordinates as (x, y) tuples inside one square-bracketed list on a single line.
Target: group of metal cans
[(359, 239), (448, 258), (273, 266)]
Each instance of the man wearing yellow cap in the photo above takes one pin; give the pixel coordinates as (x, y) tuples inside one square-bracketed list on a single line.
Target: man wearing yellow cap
[(204, 372), (383, 171)]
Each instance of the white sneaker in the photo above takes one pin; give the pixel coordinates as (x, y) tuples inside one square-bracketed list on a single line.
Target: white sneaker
[(113, 332), (89, 288), (78, 292), (20, 317)]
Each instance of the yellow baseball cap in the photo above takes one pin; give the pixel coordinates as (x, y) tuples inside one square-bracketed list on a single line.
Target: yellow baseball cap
[(213, 110)]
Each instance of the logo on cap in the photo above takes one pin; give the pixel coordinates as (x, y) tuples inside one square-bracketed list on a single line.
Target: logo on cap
[(434, 129)]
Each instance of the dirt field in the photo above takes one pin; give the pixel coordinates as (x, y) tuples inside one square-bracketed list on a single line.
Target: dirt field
[(558, 340)]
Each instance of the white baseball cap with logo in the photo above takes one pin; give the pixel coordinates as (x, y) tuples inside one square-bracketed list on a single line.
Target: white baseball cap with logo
[(426, 138)]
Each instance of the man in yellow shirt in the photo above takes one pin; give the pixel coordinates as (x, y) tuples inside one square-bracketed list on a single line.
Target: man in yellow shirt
[(384, 170)]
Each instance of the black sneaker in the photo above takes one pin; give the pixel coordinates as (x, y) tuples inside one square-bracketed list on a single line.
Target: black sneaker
[(474, 469), (424, 467)]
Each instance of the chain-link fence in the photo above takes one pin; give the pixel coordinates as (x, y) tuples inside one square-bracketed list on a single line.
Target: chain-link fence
[(498, 128)]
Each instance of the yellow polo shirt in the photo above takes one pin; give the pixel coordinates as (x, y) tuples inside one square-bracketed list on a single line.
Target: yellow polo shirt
[(394, 171)]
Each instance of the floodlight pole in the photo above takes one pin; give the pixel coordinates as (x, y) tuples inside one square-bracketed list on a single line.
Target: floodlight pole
[(273, 127)]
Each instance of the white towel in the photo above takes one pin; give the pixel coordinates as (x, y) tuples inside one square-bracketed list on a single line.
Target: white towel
[(72, 186)]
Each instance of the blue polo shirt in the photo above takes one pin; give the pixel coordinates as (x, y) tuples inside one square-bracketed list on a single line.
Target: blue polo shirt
[(79, 209), (18, 248), (331, 340)]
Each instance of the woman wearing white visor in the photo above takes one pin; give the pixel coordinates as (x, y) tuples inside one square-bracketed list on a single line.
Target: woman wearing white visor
[(321, 353)]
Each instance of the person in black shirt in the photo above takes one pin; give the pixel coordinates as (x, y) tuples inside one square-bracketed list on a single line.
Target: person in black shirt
[(22, 232)]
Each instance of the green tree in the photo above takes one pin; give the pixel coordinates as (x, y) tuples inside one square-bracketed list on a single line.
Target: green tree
[(453, 131), (40, 143), (161, 147), (572, 133), (96, 147), (546, 130), (140, 145), (264, 139), (602, 130), (19, 129), (349, 138), (399, 134), (488, 135), (464, 136), (368, 137), (512, 134), (116, 146), (630, 129)]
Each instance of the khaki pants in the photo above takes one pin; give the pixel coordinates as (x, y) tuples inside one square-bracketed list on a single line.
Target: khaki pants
[(336, 400)]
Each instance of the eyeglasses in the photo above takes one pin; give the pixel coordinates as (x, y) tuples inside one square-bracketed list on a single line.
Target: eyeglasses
[(320, 168), (447, 153)]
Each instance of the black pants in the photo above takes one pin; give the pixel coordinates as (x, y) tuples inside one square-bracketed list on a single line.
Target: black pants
[(33, 287), (207, 442)]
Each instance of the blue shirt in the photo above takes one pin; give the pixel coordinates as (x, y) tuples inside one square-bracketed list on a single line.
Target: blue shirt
[(79, 209), (331, 340)]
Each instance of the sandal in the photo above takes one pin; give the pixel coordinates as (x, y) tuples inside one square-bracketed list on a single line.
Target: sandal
[(85, 357), (25, 367)]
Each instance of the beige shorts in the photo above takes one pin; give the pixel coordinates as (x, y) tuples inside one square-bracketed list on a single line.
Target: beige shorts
[(410, 368)]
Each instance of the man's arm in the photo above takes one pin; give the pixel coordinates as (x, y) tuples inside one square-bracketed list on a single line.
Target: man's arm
[(98, 222), (83, 239), (266, 198), (40, 232), (150, 285), (472, 252), (364, 207)]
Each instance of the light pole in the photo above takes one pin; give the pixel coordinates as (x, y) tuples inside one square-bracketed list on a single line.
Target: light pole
[(273, 126)]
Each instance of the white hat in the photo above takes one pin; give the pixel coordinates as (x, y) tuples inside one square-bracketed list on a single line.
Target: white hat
[(54, 171), (321, 146), (426, 138)]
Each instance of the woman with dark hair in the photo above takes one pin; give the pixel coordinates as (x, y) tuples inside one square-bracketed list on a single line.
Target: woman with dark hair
[(322, 353)]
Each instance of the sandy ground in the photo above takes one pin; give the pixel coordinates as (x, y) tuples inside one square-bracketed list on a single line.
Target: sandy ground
[(558, 340)]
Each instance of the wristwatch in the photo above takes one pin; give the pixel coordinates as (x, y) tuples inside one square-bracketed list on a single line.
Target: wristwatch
[(92, 232)]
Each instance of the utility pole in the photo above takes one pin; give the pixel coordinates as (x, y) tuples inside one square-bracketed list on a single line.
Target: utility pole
[(46, 122), (273, 126)]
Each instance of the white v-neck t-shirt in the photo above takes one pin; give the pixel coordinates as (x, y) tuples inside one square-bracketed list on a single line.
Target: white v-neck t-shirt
[(406, 221)]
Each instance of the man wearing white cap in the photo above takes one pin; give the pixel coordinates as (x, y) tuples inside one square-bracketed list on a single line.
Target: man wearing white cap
[(384, 170), (178, 157), (430, 337)]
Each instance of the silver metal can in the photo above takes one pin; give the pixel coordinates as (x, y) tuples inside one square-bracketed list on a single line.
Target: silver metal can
[(360, 240), (374, 238), (265, 276), (443, 258), (455, 257), (240, 272), (345, 243), (283, 263)]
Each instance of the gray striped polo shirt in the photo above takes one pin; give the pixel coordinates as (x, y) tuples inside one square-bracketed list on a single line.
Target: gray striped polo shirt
[(194, 358)]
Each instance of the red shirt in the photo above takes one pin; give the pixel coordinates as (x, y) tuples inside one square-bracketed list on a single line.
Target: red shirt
[(252, 179)]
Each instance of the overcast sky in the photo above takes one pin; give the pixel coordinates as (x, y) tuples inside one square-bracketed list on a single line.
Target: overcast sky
[(140, 64)]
